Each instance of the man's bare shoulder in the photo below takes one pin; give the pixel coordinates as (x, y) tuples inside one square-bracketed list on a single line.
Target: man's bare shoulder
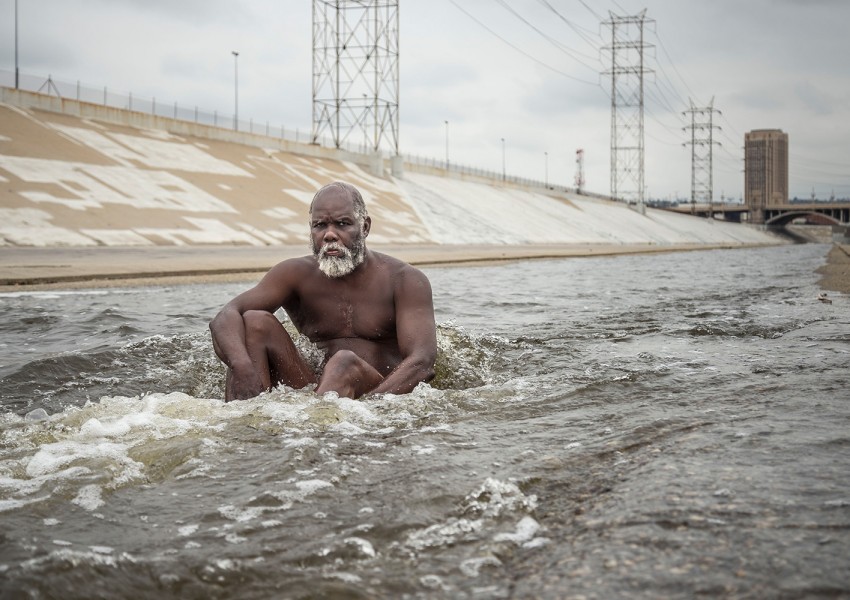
[(405, 276), (298, 266), (395, 265)]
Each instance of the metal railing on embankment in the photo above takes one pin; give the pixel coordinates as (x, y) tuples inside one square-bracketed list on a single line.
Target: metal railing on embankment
[(152, 106)]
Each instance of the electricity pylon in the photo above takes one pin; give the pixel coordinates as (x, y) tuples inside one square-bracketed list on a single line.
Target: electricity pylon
[(627, 71), (356, 72), (702, 145)]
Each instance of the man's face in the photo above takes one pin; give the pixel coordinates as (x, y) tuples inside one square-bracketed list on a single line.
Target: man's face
[(337, 237)]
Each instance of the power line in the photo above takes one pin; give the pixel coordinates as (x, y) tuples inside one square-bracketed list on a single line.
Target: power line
[(593, 12), (667, 54), (521, 51), (571, 25), (548, 38)]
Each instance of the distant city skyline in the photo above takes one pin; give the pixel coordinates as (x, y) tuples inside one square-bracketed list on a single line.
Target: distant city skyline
[(526, 71)]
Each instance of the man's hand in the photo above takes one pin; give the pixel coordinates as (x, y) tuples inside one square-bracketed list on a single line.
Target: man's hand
[(245, 382)]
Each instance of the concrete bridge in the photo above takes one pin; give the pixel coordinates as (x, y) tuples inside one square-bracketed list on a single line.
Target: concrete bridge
[(835, 214)]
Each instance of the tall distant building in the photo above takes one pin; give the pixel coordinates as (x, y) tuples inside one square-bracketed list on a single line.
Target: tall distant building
[(765, 170)]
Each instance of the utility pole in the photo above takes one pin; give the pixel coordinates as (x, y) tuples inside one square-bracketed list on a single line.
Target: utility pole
[(447, 145), (627, 70), (702, 145), (503, 159), (235, 90), (17, 73)]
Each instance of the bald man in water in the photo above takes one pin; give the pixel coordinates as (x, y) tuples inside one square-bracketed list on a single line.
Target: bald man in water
[(372, 315)]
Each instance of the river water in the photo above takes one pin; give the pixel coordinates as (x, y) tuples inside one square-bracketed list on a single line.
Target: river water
[(671, 425)]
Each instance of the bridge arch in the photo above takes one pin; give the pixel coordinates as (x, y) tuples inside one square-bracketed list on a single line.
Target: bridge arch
[(785, 218)]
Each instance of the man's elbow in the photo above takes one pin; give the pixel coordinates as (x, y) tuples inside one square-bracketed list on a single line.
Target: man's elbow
[(215, 323), (425, 369)]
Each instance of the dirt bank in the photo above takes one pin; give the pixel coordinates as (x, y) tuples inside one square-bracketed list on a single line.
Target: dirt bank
[(835, 274)]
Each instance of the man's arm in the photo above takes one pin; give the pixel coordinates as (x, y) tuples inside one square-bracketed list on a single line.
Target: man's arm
[(416, 332), (228, 326)]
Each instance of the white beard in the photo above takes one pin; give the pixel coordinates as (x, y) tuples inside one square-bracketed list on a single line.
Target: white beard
[(340, 266)]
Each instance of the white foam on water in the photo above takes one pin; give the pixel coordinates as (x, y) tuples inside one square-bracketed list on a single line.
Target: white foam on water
[(490, 503), (300, 442), (364, 547), (75, 558), (269, 523), (471, 567), (187, 530), (346, 577), (233, 538), (346, 428), (526, 529), (241, 515), (106, 445), (443, 534), (53, 295), (312, 486), (90, 497), (53, 458)]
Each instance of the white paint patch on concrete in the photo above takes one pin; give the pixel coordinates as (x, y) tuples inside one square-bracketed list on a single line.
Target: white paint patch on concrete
[(117, 237), (225, 187), (456, 211), (280, 236), (153, 153), (90, 186), (366, 179), (94, 124), (32, 227), (258, 233), (299, 230), (304, 197), (159, 154), (207, 231), (280, 212), (4, 138), (309, 182), (161, 134), (97, 141)]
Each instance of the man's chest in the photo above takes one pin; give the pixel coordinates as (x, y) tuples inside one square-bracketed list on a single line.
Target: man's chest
[(347, 313)]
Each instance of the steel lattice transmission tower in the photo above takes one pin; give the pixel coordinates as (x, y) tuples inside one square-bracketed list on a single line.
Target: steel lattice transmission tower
[(702, 145), (356, 72), (627, 71), (579, 180)]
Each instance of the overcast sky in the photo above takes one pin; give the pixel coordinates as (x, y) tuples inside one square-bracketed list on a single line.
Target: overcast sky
[(531, 75)]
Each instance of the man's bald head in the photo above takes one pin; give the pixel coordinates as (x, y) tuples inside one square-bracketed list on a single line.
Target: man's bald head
[(353, 194)]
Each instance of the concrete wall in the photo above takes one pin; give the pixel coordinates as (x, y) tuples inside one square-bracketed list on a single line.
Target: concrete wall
[(76, 173)]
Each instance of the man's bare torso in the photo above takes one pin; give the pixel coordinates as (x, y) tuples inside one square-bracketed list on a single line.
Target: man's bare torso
[(355, 313)]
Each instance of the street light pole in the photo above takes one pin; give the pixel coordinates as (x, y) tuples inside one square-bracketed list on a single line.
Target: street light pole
[(547, 169), (503, 159), (235, 90), (447, 145), (17, 74)]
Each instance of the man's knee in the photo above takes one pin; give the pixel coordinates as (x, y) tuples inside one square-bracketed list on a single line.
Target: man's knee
[(344, 360), (258, 321), (262, 328)]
